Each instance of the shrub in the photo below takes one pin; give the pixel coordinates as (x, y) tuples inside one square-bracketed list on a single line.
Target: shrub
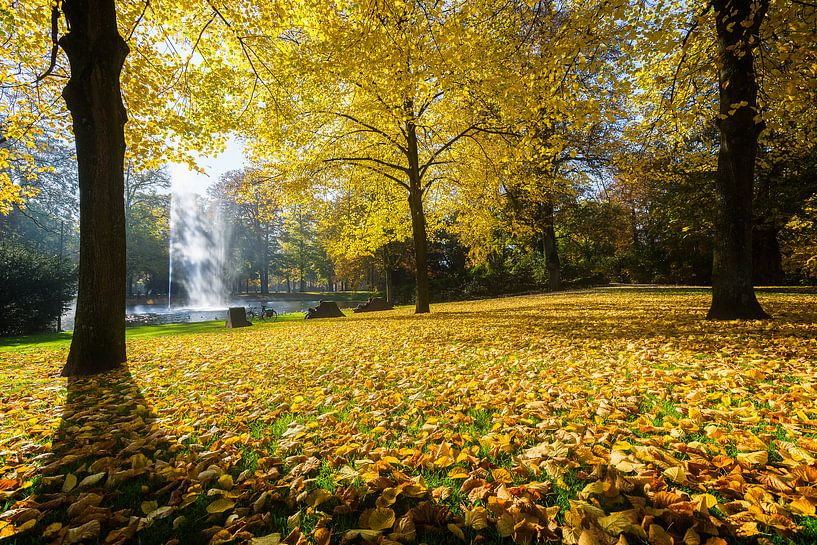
[(35, 289)]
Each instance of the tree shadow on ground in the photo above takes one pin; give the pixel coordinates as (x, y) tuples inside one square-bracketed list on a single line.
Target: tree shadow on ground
[(118, 473), (106, 459)]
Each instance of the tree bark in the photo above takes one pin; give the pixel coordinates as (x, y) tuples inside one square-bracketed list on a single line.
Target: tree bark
[(418, 223), (96, 53), (264, 272), (388, 275), (733, 295), (551, 249)]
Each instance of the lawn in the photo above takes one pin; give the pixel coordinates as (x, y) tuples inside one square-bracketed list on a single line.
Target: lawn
[(51, 341), (599, 417)]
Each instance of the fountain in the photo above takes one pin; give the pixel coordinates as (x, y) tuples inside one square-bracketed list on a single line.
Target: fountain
[(199, 245)]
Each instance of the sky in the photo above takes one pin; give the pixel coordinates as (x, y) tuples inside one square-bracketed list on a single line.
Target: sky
[(231, 159)]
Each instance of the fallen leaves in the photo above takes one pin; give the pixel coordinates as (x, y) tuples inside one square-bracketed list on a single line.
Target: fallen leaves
[(602, 417)]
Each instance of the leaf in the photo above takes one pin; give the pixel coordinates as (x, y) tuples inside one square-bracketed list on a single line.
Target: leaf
[(388, 497), (760, 457), (476, 518), (322, 536), (715, 541), (87, 531), (691, 537), (501, 475), (456, 530), (220, 505), (70, 482), (317, 497), (52, 529), (458, 473), (505, 525), (225, 482), (381, 518), (802, 506), (269, 539), (677, 474), (149, 506), (587, 537), (658, 536), (616, 523)]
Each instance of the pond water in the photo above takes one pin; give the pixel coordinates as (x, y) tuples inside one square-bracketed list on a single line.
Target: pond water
[(160, 314)]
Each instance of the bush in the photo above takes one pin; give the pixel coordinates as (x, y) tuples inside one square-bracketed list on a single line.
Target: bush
[(35, 289)]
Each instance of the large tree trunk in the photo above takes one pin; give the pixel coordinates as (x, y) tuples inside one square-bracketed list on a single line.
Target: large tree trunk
[(418, 224), (733, 295), (551, 249), (96, 53)]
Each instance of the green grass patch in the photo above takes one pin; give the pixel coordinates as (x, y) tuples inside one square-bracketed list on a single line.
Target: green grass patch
[(56, 341)]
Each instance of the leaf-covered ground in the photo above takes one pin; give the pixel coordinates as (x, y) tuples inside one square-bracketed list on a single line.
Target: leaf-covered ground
[(611, 416)]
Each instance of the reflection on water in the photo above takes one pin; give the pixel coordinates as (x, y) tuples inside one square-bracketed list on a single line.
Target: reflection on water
[(160, 314)]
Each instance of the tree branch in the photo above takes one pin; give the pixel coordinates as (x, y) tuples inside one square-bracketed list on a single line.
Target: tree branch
[(445, 147), (55, 18)]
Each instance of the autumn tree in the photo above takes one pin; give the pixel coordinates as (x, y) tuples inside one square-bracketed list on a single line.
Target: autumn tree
[(761, 51), (404, 115), (95, 37), (255, 207), (553, 133)]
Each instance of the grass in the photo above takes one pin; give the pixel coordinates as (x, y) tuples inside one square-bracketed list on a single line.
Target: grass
[(52, 341), (534, 385)]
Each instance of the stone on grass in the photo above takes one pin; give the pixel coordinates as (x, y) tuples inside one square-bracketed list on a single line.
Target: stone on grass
[(374, 304), (237, 317), (326, 309)]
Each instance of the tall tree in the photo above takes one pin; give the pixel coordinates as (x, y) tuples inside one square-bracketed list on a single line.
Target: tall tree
[(764, 55), (96, 53), (403, 116), (737, 23)]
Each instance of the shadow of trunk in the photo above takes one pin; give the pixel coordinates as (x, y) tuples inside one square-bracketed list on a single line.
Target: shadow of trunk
[(105, 468)]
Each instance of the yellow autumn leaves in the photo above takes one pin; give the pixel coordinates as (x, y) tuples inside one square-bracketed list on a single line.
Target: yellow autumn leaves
[(611, 416)]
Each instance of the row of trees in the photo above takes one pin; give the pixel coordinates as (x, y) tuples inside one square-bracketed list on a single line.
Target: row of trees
[(479, 103)]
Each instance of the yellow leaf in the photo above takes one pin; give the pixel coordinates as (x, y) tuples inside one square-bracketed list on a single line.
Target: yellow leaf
[(505, 524), (70, 482), (225, 482), (381, 518), (220, 505), (52, 529), (317, 497), (456, 530), (760, 457), (269, 539), (501, 475), (477, 518), (802, 506)]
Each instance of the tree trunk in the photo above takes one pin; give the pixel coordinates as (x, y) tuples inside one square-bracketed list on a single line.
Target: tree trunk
[(418, 223), (733, 295), (388, 280), (264, 272), (551, 249), (96, 53)]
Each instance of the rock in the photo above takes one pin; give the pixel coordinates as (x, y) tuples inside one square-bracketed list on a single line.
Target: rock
[(326, 309), (237, 317), (374, 304)]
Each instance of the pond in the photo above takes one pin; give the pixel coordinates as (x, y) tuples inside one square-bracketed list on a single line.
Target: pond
[(155, 314)]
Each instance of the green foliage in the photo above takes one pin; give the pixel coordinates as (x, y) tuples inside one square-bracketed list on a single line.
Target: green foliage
[(35, 289)]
